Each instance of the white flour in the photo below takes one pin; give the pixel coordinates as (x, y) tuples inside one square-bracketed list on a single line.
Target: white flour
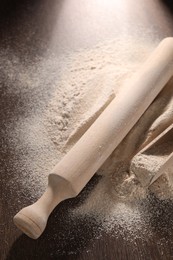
[(90, 83), (80, 93)]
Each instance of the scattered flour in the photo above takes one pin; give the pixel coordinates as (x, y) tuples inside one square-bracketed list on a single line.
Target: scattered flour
[(87, 87), (79, 93), (89, 84)]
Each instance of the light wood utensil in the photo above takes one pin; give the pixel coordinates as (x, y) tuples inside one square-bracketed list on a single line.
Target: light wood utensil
[(155, 159), (77, 167)]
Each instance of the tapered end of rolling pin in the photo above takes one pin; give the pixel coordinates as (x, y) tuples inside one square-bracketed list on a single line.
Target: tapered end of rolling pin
[(30, 222)]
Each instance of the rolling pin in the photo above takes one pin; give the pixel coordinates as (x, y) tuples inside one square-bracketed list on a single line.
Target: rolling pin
[(77, 167)]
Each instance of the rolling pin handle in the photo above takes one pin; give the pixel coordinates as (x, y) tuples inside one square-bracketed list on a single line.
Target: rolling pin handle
[(32, 220)]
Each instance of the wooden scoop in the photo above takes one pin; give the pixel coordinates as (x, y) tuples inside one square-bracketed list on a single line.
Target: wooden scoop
[(72, 173), (155, 159)]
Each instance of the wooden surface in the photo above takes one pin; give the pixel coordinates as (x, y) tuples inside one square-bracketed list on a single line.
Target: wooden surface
[(30, 29)]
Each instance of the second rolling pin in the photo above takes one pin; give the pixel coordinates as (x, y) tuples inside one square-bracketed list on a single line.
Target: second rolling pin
[(72, 173)]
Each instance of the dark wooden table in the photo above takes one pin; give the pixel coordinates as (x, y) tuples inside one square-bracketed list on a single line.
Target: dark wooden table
[(29, 29)]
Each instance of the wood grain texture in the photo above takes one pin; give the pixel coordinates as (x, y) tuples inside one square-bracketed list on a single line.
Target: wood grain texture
[(67, 26)]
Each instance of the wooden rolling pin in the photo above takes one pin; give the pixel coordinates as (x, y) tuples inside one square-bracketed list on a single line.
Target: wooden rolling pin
[(72, 173)]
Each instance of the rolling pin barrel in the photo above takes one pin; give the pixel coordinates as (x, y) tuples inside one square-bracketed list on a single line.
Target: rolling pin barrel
[(72, 173)]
